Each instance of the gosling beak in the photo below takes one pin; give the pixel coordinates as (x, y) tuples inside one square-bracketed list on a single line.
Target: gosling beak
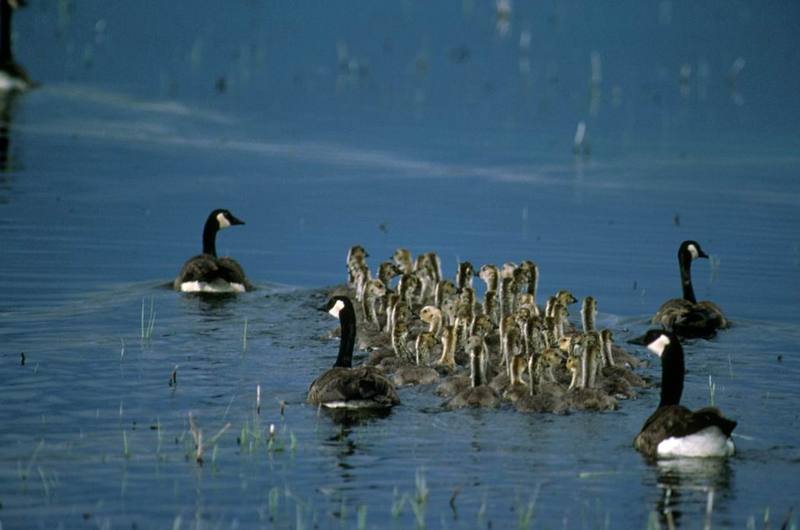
[(637, 340)]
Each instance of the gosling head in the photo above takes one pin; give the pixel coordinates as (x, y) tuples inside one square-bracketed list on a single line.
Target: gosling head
[(565, 297), (375, 289), (489, 274), (430, 314), (402, 258), (507, 270)]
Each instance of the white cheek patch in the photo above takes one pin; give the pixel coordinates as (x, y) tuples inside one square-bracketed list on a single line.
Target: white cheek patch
[(223, 221), (336, 309), (693, 251), (659, 345)]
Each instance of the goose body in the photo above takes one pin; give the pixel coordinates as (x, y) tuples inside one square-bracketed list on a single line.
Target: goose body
[(207, 273), (344, 387), (13, 77), (687, 317), (673, 430)]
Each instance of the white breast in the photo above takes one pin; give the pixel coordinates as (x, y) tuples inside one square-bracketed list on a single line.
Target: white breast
[(709, 442), (217, 286)]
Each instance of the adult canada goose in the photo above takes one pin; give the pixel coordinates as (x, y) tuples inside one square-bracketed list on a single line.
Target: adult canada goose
[(342, 386), (13, 76), (673, 430), (207, 273), (687, 317)]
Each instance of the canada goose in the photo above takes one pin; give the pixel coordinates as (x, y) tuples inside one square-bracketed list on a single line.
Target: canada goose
[(478, 394), (343, 386), (13, 76), (687, 317), (673, 430), (208, 273)]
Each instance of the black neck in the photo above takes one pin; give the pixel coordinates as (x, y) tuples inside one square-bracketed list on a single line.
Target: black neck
[(685, 262), (5, 33), (672, 371), (209, 233), (347, 320)]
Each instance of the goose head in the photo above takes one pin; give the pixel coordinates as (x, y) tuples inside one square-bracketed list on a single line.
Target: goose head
[(691, 249)]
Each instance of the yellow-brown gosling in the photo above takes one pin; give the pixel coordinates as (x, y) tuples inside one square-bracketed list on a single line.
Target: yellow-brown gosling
[(481, 325), (432, 316), (386, 271), (687, 317), (355, 254), (343, 386), (424, 346), (361, 277), (444, 290), (449, 340), (490, 276), (588, 314), (464, 275), (373, 297), (478, 394), (399, 342), (402, 258), (490, 306), (207, 273)]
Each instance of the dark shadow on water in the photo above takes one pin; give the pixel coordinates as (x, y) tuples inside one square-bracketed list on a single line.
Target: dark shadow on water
[(347, 418), (679, 478), (211, 305)]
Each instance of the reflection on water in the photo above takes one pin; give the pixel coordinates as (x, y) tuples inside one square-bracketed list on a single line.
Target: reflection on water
[(457, 137), (681, 480)]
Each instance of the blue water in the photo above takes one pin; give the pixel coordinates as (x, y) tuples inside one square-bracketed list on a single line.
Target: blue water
[(430, 133)]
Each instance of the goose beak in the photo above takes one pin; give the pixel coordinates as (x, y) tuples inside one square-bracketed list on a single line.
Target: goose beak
[(234, 220), (637, 340), (322, 309), (701, 254)]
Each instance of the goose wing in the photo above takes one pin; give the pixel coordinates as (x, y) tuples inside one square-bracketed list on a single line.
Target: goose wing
[(202, 267), (364, 385), (670, 311), (678, 421), (232, 272)]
